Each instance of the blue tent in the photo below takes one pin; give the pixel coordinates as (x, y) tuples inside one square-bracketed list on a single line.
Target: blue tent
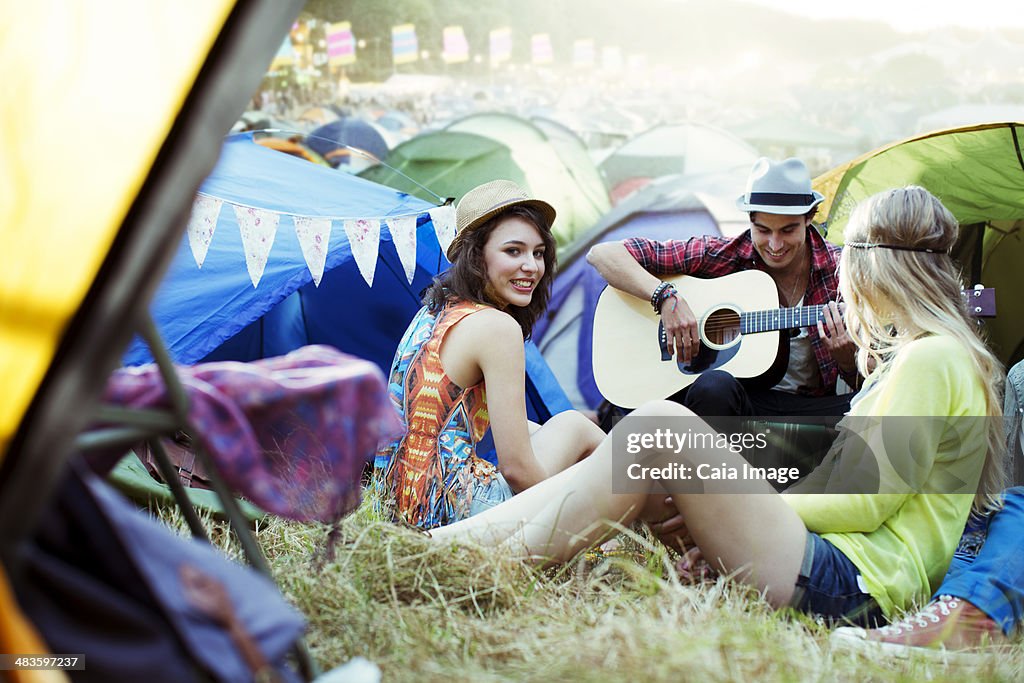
[(214, 312), (331, 141), (665, 209)]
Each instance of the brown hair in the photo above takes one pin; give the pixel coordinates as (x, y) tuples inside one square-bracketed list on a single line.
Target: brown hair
[(466, 279)]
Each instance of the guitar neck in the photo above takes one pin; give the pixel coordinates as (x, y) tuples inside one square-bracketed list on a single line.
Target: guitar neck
[(980, 302), (752, 322)]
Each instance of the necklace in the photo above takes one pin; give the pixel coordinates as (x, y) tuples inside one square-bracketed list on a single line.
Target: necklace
[(790, 300)]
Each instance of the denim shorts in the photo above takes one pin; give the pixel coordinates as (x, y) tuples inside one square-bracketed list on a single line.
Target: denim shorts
[(830, 586), (486, 496)]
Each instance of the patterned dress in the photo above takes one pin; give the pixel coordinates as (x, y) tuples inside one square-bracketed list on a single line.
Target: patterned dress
[(432, 472)]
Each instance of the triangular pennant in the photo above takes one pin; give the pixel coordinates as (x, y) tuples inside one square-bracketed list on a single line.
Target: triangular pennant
[(201, 224), (363, 235), (258, 228), (314, 235), (443, 218), (403, 234)]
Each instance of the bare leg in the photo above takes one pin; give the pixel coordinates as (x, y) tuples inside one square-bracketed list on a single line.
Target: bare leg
[(755, 534), (758, 536), (564, 440)]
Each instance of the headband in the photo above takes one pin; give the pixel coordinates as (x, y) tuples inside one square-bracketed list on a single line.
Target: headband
[(897, 247)]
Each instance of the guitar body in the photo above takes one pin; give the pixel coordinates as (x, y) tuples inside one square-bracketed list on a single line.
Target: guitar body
[(630, 362)]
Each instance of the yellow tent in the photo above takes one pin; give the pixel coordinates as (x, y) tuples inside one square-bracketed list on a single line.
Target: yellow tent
[(112, 115)]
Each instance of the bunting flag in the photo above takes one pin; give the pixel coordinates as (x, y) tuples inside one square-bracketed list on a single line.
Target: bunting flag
[(314, 237), (403, 235), (583, 53), (455, 47), (341, 44), (258, 228), (404, 47), (501, 45), (443, 219), (540, 49), (363, 238), (201, 224)]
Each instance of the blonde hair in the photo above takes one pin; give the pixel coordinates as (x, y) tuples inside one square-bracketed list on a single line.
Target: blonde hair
[(900, 284)]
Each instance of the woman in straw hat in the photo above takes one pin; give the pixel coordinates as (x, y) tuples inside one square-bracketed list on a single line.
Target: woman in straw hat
[(887, 537), (468, 337)]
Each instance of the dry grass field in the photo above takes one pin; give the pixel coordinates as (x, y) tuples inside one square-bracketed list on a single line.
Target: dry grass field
[(425, 611)]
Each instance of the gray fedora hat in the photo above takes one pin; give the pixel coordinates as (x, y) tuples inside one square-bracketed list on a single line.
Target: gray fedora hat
[(779, 187)]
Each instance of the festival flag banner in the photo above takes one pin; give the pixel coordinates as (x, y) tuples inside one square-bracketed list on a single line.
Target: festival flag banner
[(258, 228), (403, 234), (363, 237), (540, 49), (501, 45), (455, 47), (583, 53), (404, 47), (611, 59), (443, 218), (201, 224), (314, 236), (341, 44)]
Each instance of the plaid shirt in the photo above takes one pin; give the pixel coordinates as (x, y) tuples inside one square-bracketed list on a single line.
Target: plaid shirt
[(710, 257)]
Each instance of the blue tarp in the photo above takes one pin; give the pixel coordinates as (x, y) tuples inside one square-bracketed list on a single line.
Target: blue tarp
[(215, 313)]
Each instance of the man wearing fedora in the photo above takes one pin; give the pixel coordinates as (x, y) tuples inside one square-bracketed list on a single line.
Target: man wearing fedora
[(782, 242)]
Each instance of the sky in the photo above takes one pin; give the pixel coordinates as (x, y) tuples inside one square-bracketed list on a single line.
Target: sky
[(910, 15)]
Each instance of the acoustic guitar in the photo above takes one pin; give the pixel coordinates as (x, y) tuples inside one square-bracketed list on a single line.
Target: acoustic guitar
[(741, 331)]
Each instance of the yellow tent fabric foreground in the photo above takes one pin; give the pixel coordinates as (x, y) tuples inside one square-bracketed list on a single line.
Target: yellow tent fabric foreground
[(91, 91)]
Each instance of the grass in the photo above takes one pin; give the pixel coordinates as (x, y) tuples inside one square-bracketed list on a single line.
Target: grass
[(427, 611)]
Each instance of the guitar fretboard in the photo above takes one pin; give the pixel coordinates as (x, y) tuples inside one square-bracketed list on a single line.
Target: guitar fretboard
[(806, 316), (779, 319)]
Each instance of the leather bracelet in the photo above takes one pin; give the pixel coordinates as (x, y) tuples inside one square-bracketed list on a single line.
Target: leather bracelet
[(656, 295), (664, 291)]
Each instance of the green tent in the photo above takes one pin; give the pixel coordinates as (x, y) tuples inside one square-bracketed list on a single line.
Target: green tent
[(672, 149), (978, 173), (556, 168), (484, 147), (444, 164)]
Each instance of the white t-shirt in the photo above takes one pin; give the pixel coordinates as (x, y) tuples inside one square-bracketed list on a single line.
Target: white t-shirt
[(803, 373)]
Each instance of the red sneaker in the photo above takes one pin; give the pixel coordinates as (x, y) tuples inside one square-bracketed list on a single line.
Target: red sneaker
[(945, 624)]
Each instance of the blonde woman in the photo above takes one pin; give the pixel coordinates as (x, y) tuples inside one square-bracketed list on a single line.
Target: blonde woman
[(856, 557)]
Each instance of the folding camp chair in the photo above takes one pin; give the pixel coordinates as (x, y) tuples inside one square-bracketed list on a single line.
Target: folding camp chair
[(317, 386), (125, 427)]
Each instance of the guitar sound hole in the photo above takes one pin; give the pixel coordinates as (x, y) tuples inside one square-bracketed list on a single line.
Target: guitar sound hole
[(722, 327)]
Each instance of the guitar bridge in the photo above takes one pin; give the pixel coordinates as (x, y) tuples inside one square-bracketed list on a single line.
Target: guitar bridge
[(666, 353)]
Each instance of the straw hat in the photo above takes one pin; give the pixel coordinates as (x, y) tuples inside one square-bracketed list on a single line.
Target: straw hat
[(486, 201), (779, 187)]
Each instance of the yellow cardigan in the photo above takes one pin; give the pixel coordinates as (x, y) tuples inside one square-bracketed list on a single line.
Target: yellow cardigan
[(902, 539)]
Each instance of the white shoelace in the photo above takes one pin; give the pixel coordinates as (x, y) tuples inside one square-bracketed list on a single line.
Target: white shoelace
[(924, 618)]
